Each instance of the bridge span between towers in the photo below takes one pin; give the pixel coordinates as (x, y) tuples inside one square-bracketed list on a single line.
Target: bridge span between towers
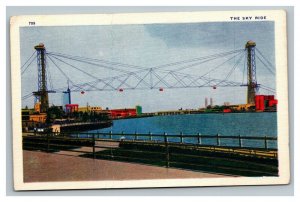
[(175, 75)]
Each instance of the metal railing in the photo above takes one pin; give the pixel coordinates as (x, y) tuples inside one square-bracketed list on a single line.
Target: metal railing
[(161, 149), (198, 139)]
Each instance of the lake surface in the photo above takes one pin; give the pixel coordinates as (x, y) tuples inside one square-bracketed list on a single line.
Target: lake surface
[(244, 124)]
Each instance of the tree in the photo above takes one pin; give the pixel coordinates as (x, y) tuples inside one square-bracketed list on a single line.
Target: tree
[(85, 117), (54, 112)]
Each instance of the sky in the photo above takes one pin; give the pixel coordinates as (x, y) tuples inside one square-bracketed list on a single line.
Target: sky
[(148, 46)]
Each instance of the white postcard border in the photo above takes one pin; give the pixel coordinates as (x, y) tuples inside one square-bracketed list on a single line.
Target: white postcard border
[(278, 16)]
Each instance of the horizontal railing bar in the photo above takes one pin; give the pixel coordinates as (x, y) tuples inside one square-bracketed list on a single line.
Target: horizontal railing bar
[(185, 136), (192, 145), (60, 145), (169, 135), (135, 151)]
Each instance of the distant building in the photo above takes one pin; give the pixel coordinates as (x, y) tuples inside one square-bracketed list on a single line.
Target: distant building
[(211, 102), (37, 107), (90, 109), (139, 110), (66, 98), (95, 109), (175, 112), (83, 109), (265, 102), (70, 108), (32, 119), (244, 107), (122, 113), (41, 118)]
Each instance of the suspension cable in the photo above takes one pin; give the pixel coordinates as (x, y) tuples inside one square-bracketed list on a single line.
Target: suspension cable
[(63, 73), (270, 70), (220, 65), (271, 65), (244, 68), (95, 60), (197, 59), (24, 69), (85, 59), (27, 96), (124, 77), (28, 59), (98, 79), (94, 64), (232, 70)]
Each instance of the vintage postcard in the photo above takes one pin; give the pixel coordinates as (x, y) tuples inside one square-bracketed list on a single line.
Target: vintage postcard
[(150, 100)]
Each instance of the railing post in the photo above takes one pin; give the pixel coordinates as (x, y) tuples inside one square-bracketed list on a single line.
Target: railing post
[(199, 138), (218, 139), (181, 137), (111, 154), (110, 135), (266, 143), (122, 135), (150, 134), (94, 143), (48, 142), (135, 135), (167, 150), (240, 141), (77, 135)]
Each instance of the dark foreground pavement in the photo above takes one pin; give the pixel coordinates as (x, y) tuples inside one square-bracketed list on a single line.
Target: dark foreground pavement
[(63, 166)]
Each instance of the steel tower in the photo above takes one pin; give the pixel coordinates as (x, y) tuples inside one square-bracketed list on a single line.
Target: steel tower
[(251, 64), (42, 93)]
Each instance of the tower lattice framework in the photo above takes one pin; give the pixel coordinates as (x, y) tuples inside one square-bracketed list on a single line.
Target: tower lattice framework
[(42, 93), (251, 73)]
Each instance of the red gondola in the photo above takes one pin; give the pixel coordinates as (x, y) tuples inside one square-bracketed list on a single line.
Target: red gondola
[(214, 87), (161, 89), (82, 92), (121, 90)]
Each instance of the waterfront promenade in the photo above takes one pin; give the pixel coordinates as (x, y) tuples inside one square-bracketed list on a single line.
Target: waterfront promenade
[(68, 166), (90, 153)]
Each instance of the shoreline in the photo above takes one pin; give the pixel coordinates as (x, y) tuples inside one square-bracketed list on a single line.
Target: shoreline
[(221, 113)]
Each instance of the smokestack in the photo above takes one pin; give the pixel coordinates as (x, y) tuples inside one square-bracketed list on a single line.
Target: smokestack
[(211, 102), (206, 102)]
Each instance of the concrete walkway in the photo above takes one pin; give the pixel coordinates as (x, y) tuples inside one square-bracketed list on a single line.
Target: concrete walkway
[(47, 167)]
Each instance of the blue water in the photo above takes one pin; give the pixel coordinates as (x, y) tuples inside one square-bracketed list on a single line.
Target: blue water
[(233, 124)]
